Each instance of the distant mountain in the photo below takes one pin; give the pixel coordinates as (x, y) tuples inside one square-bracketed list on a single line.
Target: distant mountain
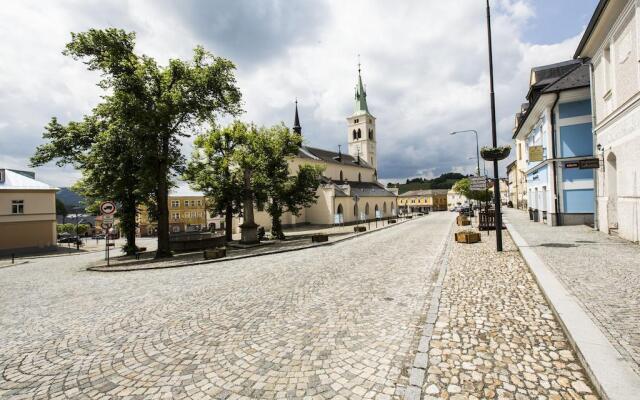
[(70, 198), (444, 181)]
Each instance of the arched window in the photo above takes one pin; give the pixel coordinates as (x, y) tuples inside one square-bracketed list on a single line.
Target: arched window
[(393, 210), (359, 177), (339, 209), (371, 134), (355, 135), (375, 211), (359, 133), (366, 210), (384, 208), (355, 210), (341, 177)]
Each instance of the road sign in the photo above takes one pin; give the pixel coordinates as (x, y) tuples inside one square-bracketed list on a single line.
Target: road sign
[(478, 183), (105, 226), (590, 163), (107, 219), (108, 207)]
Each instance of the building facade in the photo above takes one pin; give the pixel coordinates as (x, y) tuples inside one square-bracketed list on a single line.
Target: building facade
[(556, 131), (27, 213), (423, 200), (187, 213), (610, 46), (455, 199)]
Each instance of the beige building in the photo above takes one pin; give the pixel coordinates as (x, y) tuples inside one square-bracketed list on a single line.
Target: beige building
[(27, 213), (455, 199), (423, 200), (350, 190)]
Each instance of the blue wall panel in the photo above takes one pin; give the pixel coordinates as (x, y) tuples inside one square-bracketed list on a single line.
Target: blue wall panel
[(575, 109), (578, 201), (576, 174), (576, 140)]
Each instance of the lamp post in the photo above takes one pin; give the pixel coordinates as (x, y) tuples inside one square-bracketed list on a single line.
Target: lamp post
[(496, 181), (477, 144)]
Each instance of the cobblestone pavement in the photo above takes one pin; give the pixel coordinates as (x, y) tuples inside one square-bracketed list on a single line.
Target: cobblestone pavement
[(330, 322), (601, 271), (495, 336)]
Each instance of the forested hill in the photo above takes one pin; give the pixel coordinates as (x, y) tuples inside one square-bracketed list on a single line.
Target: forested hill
[(444, 181)]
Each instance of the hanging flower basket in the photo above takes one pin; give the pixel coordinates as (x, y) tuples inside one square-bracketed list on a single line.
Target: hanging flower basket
[(495, 153)]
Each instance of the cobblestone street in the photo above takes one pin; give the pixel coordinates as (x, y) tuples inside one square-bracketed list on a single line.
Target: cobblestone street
[(601, 271), (495, 336), (331, 322)]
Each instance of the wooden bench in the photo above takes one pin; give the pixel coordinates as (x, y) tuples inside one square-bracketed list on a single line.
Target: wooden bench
[(358, 229)]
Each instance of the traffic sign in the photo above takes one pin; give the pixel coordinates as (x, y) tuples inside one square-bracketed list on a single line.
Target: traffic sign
[(478, 183), (108, 207), (105, 226), (107, 219)]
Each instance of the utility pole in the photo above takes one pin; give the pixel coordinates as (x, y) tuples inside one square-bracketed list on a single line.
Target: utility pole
[(496, 181)]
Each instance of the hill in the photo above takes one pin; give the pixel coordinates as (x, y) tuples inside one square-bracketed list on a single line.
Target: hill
[(444, 181), (70, 198)]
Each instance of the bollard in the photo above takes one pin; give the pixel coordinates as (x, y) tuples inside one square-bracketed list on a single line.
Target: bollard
[(13, 257)]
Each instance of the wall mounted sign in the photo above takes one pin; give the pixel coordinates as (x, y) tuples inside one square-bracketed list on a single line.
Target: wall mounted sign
[(590, 163), (572, 164), (536, 153)]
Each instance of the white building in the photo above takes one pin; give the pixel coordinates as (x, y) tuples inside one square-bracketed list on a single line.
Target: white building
[(610, 45), (555, 129)]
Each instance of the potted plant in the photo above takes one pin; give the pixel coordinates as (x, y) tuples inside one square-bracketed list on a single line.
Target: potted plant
[(495, 153), (467, 236)]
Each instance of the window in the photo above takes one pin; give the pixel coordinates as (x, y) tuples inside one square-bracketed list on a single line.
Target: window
[(355, 135), (371, 134), (175, 229), (186, 203), (175, 215), (199, 203), (193, 203), (17, 207), (359, 177), (341, 177), (359, 133), (175, 203)]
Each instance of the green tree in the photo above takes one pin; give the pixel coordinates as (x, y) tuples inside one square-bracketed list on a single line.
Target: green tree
[(212, 169), (61, 210), (280, 190), (463, 187), (153, 106)]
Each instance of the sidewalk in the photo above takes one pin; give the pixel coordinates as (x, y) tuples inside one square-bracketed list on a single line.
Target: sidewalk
[(495, 335), (601, 271)]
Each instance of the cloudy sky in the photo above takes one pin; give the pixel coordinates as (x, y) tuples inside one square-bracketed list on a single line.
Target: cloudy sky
[(424, 63)]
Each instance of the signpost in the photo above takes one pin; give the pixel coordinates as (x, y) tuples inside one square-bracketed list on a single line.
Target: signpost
[(107, 209), (478, 183)]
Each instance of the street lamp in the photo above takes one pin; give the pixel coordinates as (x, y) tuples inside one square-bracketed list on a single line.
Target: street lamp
[(484, 165), (477, 144)]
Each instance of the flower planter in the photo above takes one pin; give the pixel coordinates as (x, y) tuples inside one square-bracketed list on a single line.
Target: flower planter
[(392, 221), (467, 237), (358, 229), (319, 238), (495, 153), (212, 254), (463, 220)]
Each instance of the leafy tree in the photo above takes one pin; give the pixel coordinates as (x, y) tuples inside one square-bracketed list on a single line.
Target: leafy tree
[(463, 187), (61, 210), (154, 107), (212, 170), (284, 192)]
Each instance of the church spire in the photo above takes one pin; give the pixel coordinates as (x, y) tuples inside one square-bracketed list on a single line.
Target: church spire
[(361, 96), (296, 122)]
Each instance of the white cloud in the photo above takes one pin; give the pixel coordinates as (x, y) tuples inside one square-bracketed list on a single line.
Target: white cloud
[(424, 63)]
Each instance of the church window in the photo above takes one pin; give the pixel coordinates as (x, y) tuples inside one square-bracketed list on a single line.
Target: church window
[(371, 134), (359, 133), (340, 209), (355, 135), (341, 177), (366, 210), (384, 208), (359, 177)]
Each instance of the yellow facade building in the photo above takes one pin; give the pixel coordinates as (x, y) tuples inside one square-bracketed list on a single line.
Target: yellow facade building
[(423, 200), (27, 213), (187, 213)]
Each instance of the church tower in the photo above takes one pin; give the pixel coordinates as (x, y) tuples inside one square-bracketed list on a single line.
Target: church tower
[(362, 128)]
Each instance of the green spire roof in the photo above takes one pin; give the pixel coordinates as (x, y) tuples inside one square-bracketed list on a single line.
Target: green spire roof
[(360, 97)]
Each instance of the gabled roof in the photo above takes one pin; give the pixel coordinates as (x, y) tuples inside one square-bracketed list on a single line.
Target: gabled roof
[(16, 180), (364, 189), (574, 79), (424, 192), (333, 157)]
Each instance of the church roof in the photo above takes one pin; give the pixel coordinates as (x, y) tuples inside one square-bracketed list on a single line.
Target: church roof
[(331, 157), (365, 189), (360, 97)]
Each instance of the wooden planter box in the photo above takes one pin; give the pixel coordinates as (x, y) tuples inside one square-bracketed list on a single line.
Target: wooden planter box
[(359, 229), (392, 221), (462, 220), (467, 237), (212, 254), (409, 216), (319, 238)]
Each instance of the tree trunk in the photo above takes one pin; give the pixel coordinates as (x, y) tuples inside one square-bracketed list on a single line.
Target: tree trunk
[(249, 233), (128, 223), (162, 198), (228, 223), (276, 223)]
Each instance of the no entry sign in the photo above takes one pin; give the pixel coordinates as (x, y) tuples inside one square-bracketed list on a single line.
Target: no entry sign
[(108, 207)]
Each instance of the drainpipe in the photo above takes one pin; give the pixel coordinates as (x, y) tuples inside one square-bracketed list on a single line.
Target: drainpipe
[(596, 220), (553, 155)]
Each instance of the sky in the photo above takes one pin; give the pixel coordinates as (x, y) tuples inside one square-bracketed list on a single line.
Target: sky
[(424, 63)]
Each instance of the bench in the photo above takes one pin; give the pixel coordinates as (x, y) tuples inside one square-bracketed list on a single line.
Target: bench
[(319, 238)]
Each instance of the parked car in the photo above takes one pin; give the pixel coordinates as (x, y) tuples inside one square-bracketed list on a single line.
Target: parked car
[(101, 236), (70, 239)]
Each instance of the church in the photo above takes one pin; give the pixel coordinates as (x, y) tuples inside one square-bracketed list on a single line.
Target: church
[(350, 190)]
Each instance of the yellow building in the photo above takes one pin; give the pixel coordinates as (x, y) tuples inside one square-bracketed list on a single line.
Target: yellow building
[(423, 200), (187, 213), (27, 213)]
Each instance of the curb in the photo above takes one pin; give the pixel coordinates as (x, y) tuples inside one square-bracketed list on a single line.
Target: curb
[(112, 269), (612, 378), (421, 361)]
